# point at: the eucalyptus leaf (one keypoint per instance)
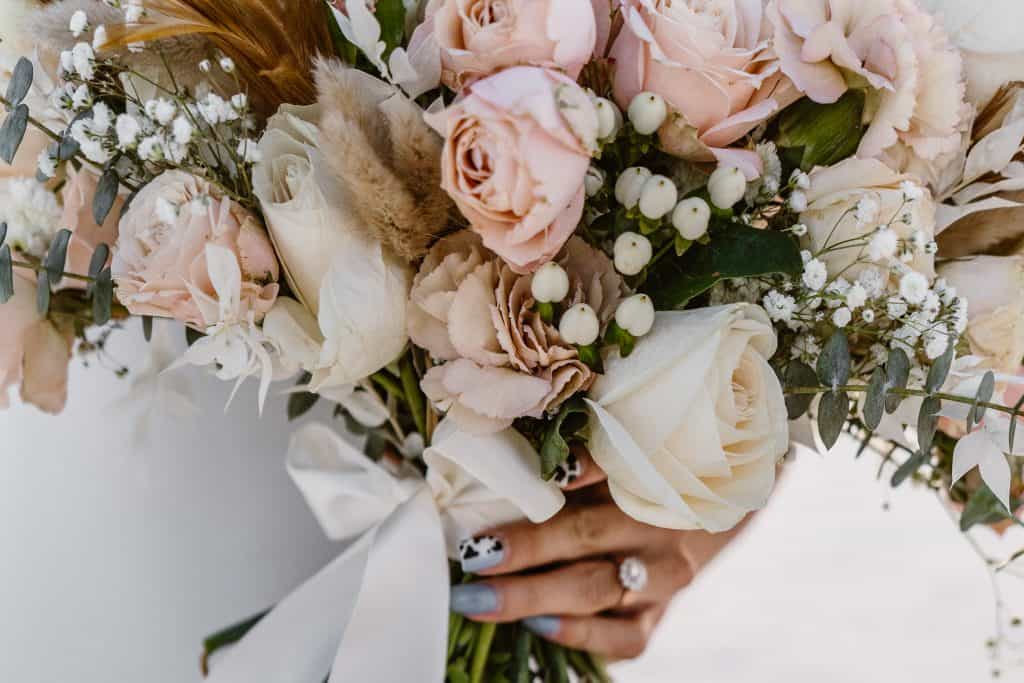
(13, 132)
(834, 361)
(43, 293)
(983, 507)
(57, 256)
(301, 403)
(3, 232)
(106, 195)
(1013, 421)
(21, 81)
(897, 374)
(102, 297)
(874, 401)
(99, 260)
(68, 147)
(907, 469)
(799, 375)
(833, 410)
(927, 423)
(984, 395)
(147, 327)
(735, 252)
(939, 370)
(192, 335)
(6, 274)
(554, 449)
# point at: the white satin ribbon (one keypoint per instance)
(379, 612)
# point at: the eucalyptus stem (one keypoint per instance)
(413, 395)
(481, 652)
(388, 383)
(863, 388)
(36, 267)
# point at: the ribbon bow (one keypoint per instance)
(379, 612)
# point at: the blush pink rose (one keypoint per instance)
(76, 196)
(480, 37)
(33, 352)
(159, 262)
(893, 49)
(713, 65)
(516, 153)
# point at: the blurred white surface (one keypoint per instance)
(117, 560)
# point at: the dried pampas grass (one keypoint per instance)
(378, 147)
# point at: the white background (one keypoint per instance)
(116, 559)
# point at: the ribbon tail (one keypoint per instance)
(297, 641)
(399, 624)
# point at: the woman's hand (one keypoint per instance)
(561, 578)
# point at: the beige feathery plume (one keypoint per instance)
(273, 43)
(379, 147)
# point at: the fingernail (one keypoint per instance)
(474, 598)
(480, 553)
(568, 472)
(545, 627)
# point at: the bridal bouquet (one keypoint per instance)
(681, 233)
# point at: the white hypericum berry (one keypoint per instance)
(636, 315)
(691, 218)
(609, 119)
(632, 253)
(550, 283)
(647, 112)
(79, 23)
(914, 287)
(798, 201)
(629, 185)
(727, 186)
(658, 196)
(594, 181)
(579, 325)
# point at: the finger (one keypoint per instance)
(578, 471)
(576, 532)
(582, 588)
(611, 637)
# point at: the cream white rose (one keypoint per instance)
(690, 427)
(992, 286)
(354, 290)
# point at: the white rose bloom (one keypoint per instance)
(690, 427)
(353, 287)
(995, 327)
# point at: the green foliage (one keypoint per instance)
(98, 261)
(301, 402)
(939, 370)
(520, 671)
(102, 297)
(57, 256)
(799, 374)
(106, 195)
(897, 374)
(554, 448)
(345, 51)
(391, 15)
(21, 81)
(1013, 423)
(226, 637)
(147, 327)
(737, 251)
(908, 468)
(590, 356)
(833, 410)
(834, 361)
(43, 293)
(983, 507)
(13, 132)
(6, 274)
(616, 336)
(928, 423)
(984, 395)
(811, 134)
(874, 402)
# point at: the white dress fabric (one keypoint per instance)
(120, 551)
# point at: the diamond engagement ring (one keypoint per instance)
(633, 574)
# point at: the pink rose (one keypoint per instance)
(480, 37)
(77, 195)
(713, 65)
(160, 261)
(517, 150)
(893, 49)
(33, 352)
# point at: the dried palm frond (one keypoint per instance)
(273, 43)
(379, 148)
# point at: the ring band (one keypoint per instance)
(633, 574)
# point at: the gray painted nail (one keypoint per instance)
(543, 626)
(480, 553)
(472, 599)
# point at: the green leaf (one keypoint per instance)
(301, 402)
(147, 327)
(391, 15)
(6, 274)
(908, 468)
(99, 260)
(102, 298)
(984, 395)
(13, 132)
(616, 336)
(21, 81)
(455, 674)
(927, 423)
(57, 256)
(812, 134)
(3, 232)
(874, 401)
(228, 636)
(897, 374)
(939, 370)
(554, 448)
(590, 356)
(834, 361)
(520, 672)
(983, 507)
(192, 335)
(799, 375)
(833, 410)
(43, 293)
(738, 251)
(345, 50)
(557, 666)
(106, 195)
